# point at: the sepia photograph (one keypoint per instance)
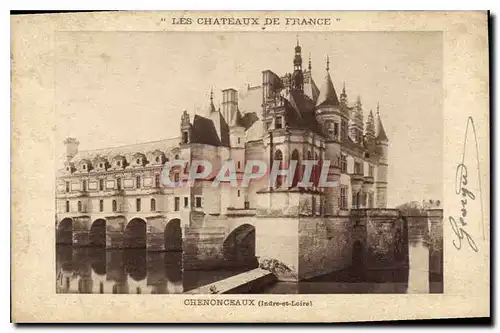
(260, 162)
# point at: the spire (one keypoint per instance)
(381, 136)
(327, 95)
(211, 106)
(370, 126)
(358, 108)
(343, 99)
(298, 76)
(309, 67)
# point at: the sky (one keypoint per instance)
(118, 88)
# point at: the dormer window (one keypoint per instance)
(157, 159)
(84, 167)
(101, 165)
(138, 161)
(278, 123)
(119, 163)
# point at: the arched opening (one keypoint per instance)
(296, 175)
(97, 234)
(64, 235)
(358, 258)
(278, 156)
(173, 236)
(135, 234)
(239, 246)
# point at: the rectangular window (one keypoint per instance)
(67, 186)
(198, 202)
(239, 165)
(357, 168)
(153, 205)
(238, 140)
(79, 206)
(101, 184)
(176, 177)
(278, 122)
(238, 193)
(343, 197)
(157, 181)
(336, 130)
(371, 171)
(101, 205)
(343, 163)
(177, 202)
(138, 204)
(186, 202)
(114, 206)
(67, 206)
(138, 182)
(118, 183)
(343, 129)
(84, 185)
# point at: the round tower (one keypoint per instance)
(329, 114)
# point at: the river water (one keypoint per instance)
(136, 271)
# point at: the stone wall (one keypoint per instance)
(324, 245)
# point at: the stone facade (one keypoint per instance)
(115, 196)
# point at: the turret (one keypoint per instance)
(370, 128)
(382, 143)
(185, 128)
(329, 114)
(297, 76)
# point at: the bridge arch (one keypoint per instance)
(134, 235)
(97, 234)
(173, 236)
(64, 233)
(239, 245)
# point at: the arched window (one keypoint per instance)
(296, 175)
(153, 205)
(67, 206)
(79, 206)
(278, 156)
(114, 205)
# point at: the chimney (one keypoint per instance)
(229, 104)
(71, 147)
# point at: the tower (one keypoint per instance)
(297, 76)
(382, 143)
(357, 121)
(229, 104)
(185, 128)
(329, 114)
(370, 131)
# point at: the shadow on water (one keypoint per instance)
(128, 271)
(420, 273)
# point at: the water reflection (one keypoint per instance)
(414, 277)
(130, 271)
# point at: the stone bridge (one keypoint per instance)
(293, 247)
(154, 232)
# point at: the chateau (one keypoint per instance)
(114, 197)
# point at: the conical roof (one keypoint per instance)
(327, 94)
(381, 136)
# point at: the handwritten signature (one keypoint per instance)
(460, 227)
